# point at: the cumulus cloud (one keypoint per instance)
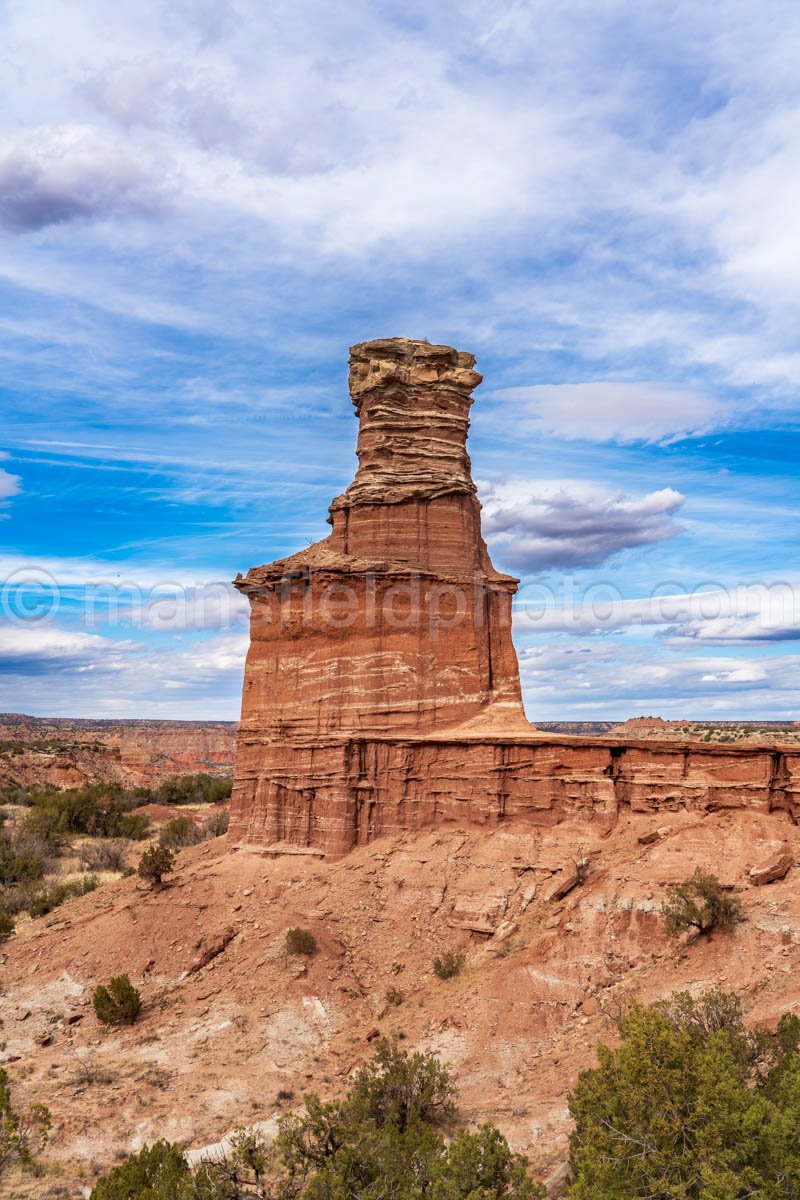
(606, 411)
(54, 174)
(47, 649)
(537, 524)
(52, 670)
(602, 681)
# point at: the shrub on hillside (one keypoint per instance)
(23, 1135)
(217, 824)
(119, 1003)
(301, 941)
(383, 1139)
(691, 1104)
(23, 859)
(108, 855)
(700, 903)
(51, 897)
(158, 1172)
(180, 832)
(99, 810)
(156, 862)
(449, 965)
(6, 927)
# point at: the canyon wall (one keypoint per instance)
(66, 752)
(382, 688)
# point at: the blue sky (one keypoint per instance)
(203, 204)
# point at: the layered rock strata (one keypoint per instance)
(382, 689)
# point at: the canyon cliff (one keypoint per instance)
(64, 752)
(382, 688)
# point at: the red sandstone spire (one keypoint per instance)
(397, 623)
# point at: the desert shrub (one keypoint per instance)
(119, 1003)
(22, 858)
(394, 997)
(383, 1139)
(690, 1104)
(51, 897)
(23, 1135)
(700, 903)
(107, 855)
(193, 789)
(449, 965)
(99, 810)
(156, 862)
(180, 832)
(217, 824)
(6, 927)
(158, 1172)
(301, 941)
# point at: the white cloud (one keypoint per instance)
(58, 173)
(10, 485)
(606, 411)
(537, 524)
(748, 614)
(602, 681)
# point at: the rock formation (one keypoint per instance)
(382, 690)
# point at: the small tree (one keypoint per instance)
(301, 941)
(700, 903)
(6, 927)
(156, 862)
(158, 1171)
(118, 1004)
(23, 1135)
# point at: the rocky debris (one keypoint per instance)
(567, 880)
(654, 835)
(209, 950)
(777, 867)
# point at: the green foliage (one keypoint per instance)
(180, 832)
(449, 965)
(700, 903)
(6, 927)
(21, 860)
(301, 941)
(158, 1172)
(98, 809)
(117, 1004)
(480, 1165)
(692, 1106)
(382, 1141)
(23, 1135)
(49, 898)
(156, 862)
(193, 789)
